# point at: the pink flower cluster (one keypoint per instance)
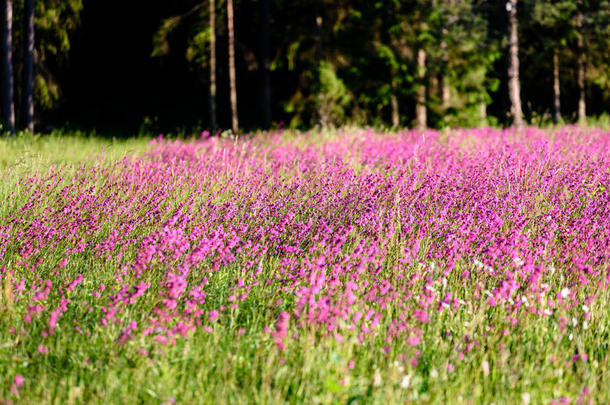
(363, 234)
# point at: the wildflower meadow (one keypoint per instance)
(347, 266)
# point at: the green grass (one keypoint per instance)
(25, 155)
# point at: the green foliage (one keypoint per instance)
(55, 22)
(193, 28)
(333, 97)
(161, 45)
(367, 60)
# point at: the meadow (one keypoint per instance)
(348, 266)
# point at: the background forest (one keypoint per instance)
(122, 67)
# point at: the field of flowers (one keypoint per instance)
(351, 266)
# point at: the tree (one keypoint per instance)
(28, 67)
(463, 60)
(324, 70)
(55, 22)
(514, 85)
(556, 88)
(320, 96)
(197, 42)
(212, 17)
(7, 66)
(572, 45)
(404, 48)
(422, 38)
(390, 62)
(580, 47)
(551, 20)
(394, 104)
(592, 26)
(232, 79)
(420, 98)
(597, 45)
(266, 63)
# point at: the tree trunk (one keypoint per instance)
(266, 59)
(420, 99)
(319, 51)
(213, 121)
(8, 105)
(483, 112)
(582, 104)
(445, 91)
(231, 28)
(556, 88)
(319, 55)
(514, 86)
(28, 67)
(445, 85)
(394, 103)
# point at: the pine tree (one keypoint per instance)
(514, 85)
(232, 78)
(8, 103)
(28, 67)
(266, 63)
(592, 25)
(200, 38)
(212, 22)
(552, 21)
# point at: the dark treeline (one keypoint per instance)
(123, 66)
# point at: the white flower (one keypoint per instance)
(376, 379)
(485, 367)
(585, 325)
(525, 397)
(404, 383)
(548, 312)
(574, 322)
(585, 308)
(571, 336)
(434, 374)
(565, 292)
